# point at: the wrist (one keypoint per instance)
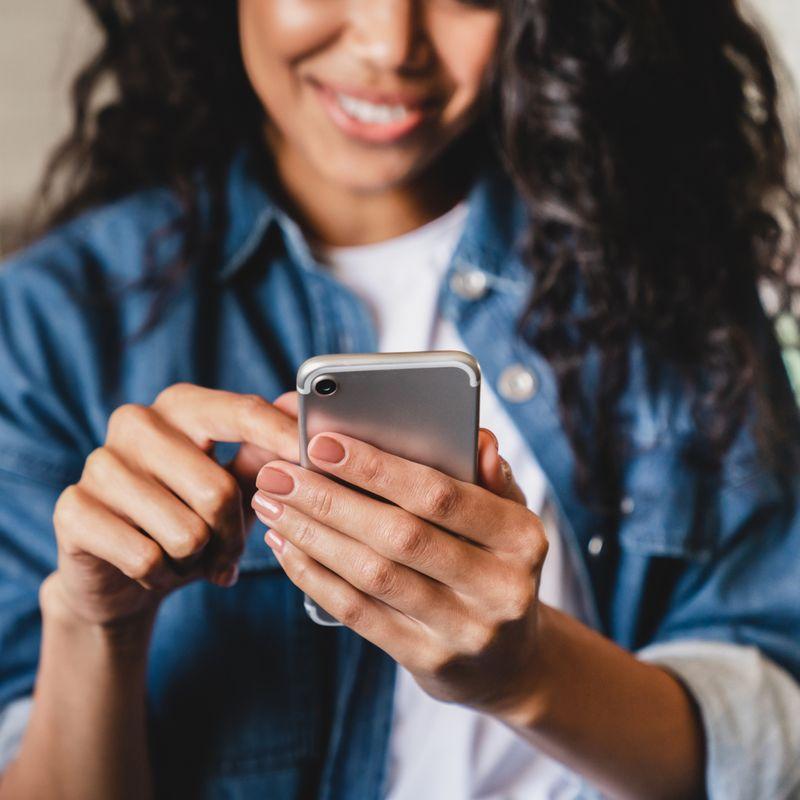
(129, 634)
(530, 706)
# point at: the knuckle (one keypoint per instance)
(193, 537)
(440, 499)
(407, 537)
(305, 533)
(378, 577)
(368, 468)
(350, 612)
(477, 640)
(519, 600)
(542, 548)
(250, 404)
(129, 416)
(438, 661)
(534, 541)
(221, 495)
(250, 410)
(98, 464)
(171, 394)
(67, 507)
(320, 501)
(298, 570)
(145, 562)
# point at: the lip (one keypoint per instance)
(377, 96)
(378, 133)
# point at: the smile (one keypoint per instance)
(371, 112)
(372, 118)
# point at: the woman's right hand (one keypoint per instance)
(153, 510)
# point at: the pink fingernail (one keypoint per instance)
(324, 448)
(267, 506)
(275, 481)
(274, 541)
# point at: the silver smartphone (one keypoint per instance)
(421, 406)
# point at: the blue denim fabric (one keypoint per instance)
(247, 697)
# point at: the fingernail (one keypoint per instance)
(273, 540)
(505, 468)
(267, 506)
(494, 439)
(227, 577)
(275, 481)
(323, 448)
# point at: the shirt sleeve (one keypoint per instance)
(44, 439)
(727, 601)
(750, 710)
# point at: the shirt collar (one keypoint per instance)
(251, 212)
(493, 227)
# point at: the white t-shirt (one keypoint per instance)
(439, 750)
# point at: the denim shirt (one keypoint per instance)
(247, 697)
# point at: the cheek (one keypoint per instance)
(465, 51)
(275, 35)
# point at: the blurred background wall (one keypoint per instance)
(42, 42)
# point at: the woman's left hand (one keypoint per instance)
(458, 611)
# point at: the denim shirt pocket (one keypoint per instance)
(668, 511)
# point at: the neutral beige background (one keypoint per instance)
(43, 41)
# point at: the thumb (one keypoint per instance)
(494, 472)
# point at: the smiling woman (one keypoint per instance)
(585, 196)
(335, 80)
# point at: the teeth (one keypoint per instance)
(371, 112)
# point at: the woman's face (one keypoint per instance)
(366, 93)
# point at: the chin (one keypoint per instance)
(363, 179)
(367, 174)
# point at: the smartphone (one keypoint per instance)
(421, 406)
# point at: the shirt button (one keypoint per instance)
(595, 546)
(627, 505)
(469, 284)
(517, 383)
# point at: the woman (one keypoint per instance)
(575, 192)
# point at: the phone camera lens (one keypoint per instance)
(325, 386)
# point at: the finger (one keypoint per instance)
(457, 506)
(151, 445)
(80, 516)
(396, 585)
(213, 415)
(387, 529)
(494, 472)
(244, 467)
(250, 458)
(287, 402)
(146, 504)
(385, 627)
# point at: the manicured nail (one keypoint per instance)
(227, 577)
(275, 481)
(267, 506)
(323, 448)
(273, 540)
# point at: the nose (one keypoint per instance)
(388, 34)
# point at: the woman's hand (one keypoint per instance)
(444, 578)
(153, 510)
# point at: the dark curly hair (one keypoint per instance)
(644, 136)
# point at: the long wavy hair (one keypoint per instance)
(644, 136)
